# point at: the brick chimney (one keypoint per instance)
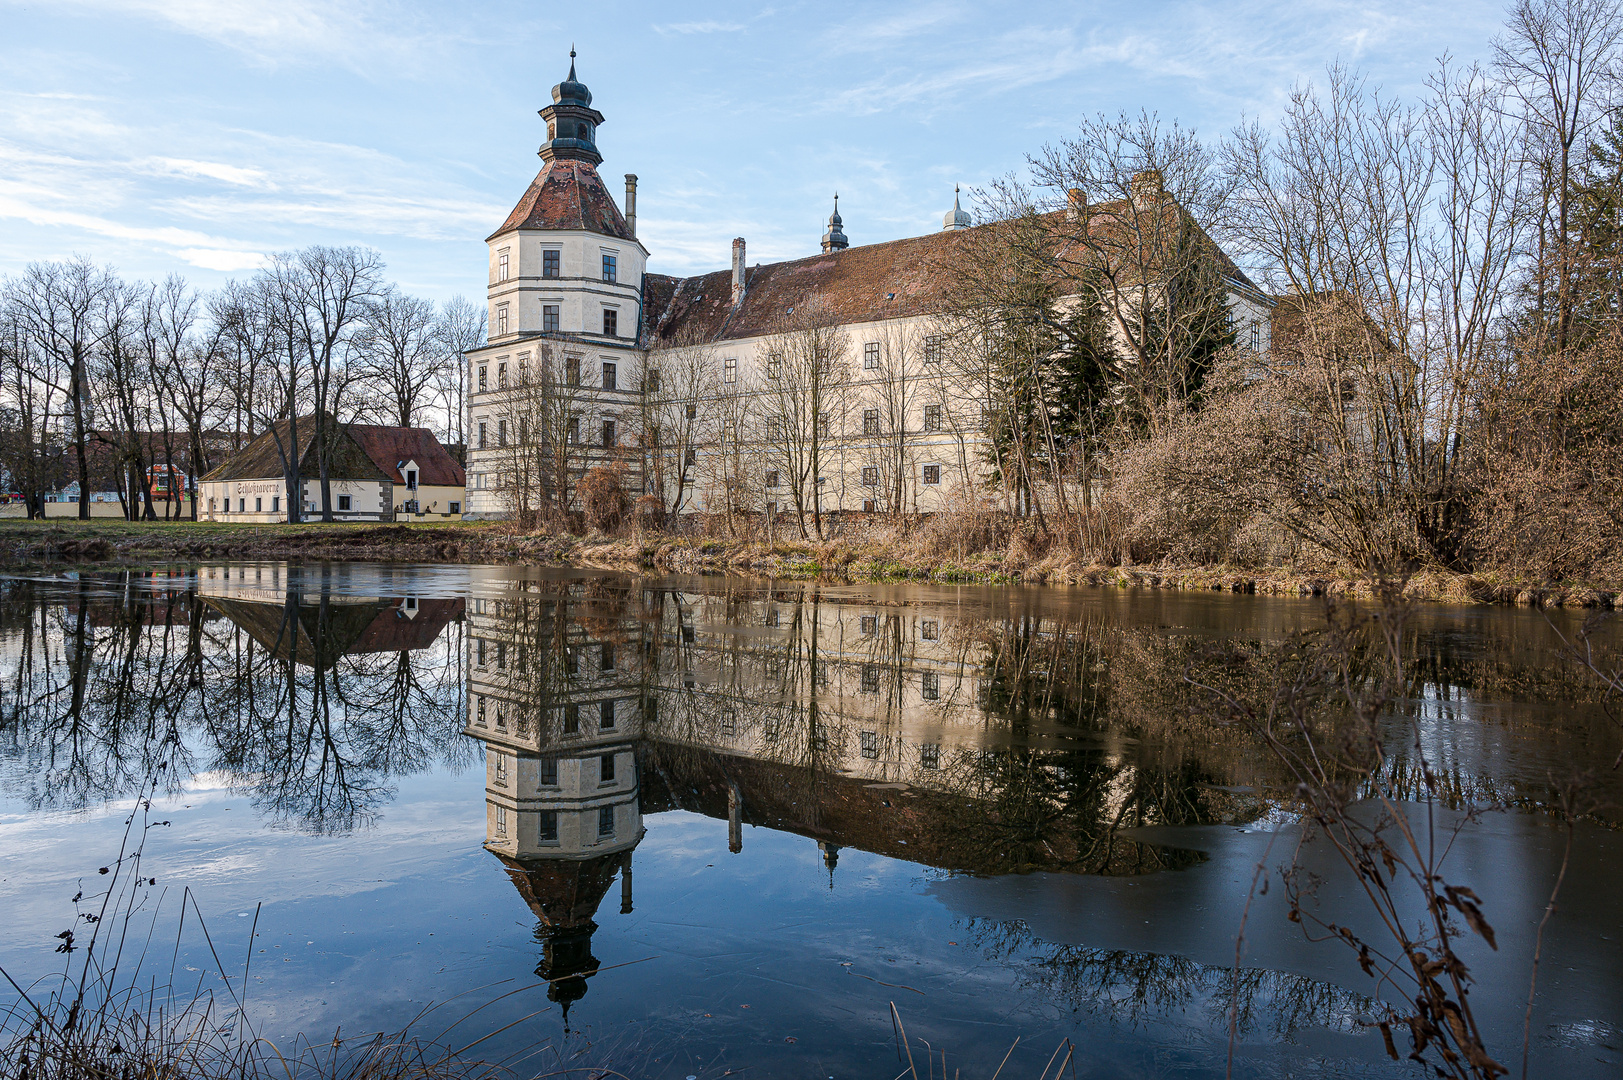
(631, 204)
(1147, 188)
(738, 270)
(1076, 201)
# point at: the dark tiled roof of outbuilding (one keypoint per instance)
(567, 195)
(389, 446)
(261, 459)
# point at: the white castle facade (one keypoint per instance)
(811, 385)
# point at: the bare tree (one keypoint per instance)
(681, 392)
(58, 306)
(400, 355)
(1558, 58)
(540, 451)
(461, 329)
(807, 372)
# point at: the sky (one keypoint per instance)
(195, 136)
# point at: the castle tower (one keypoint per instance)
(565, 309)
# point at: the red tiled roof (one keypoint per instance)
(891, 280)
(388, 447)
(567, 195)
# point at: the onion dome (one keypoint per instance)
(571, 122)
(957, 217)
(572, 89)
(834, 239)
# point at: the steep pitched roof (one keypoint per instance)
(261, 459)
(890, 280)
(388, 447)
(567, 195)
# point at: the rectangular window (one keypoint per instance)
(932, 418)
(774, 365)
(501, 759)
(242, 506)
(870, 421)
(501, 376)
(605, 821)
(693, 411)
(929, 755)
(870, 744)
(870, 355)
(772, 478)
(501, 433)
(774, 429)
(1256, 336)
(411, 479)
(605, 769)
(549, 265)
(870, 678)
(611, 323)
(574, 429)
(483, 382)
(481, 435)
(608, 433)
(481, 662)
(572, 370)
(870, 624)
(549, 772)
(610, 372)
(571, 718)
(456, 508)
(344, 502)
(932, 474)
(607, 663)
(930, 686)
(501, 654)
(870, 476)
(929, 630)
(729, 370)
(869, 506)
(932, 350)
(571, 662)
(547, 826)
(276, 504)
(259, 505)
(549, 318)
(825, 425)
(501, 319)
(605, 715)
(501, 267)
(501, 821)
(611, 268)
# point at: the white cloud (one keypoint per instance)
(709, 26)
(212, 170)
(225, 261)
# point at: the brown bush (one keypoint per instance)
(603, 498)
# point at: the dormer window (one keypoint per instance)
(411, 485)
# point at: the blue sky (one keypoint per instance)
(193, 136)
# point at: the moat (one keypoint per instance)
(701, 825)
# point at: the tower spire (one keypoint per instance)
(834, 239)
(571, 121)
(957, 217)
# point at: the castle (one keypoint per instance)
(809, 386)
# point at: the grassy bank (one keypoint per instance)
(873, 555)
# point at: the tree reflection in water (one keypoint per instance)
(309, 702)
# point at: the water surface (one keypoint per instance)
(712, 824)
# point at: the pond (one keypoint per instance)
(693, 826)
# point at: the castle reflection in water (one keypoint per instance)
(853, 724)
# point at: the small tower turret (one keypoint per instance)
(571, 121)
(834, 239)
(957, 217)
